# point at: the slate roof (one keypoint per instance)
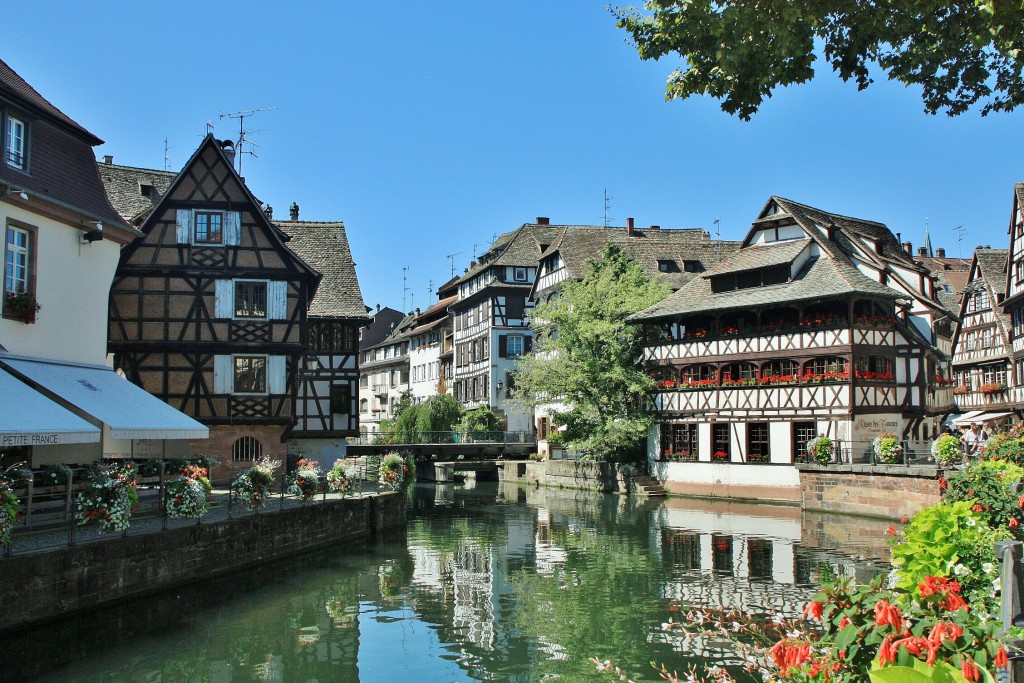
(948, 271)
(520, 247)
(61, 165)
(992, 263)
(124, 188)
(324, 246)
(382, 322)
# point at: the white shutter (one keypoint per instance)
(277, 299)
(277, 368)
(224, 304)
(232, 227)
(184, 226)
(223, 375)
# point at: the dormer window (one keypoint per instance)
(146, 190)
(519, 274)
(14, 143)
(667, 266)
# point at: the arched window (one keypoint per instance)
(739, 374)
(826, 369)
(874, 368)
(364, 405)
(246, 448)
(779, 372)
(693, 375)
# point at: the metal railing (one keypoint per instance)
(47, 514)
(446, 437)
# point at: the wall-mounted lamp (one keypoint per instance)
(94, 235)
(501, 384)
(21, 193)
(313, 362)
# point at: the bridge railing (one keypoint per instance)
(447, 437)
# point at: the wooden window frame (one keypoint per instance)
(235, 374)
(718, 429)
(761, 441)
(30, 277)
(239, 287)
(16, 158)
(220, 231)
(341, 396)
(802, 433)
(516, 270)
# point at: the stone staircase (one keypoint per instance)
(648, 487)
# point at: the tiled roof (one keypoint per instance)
(992, 263)
(324, 246)
(124, 188)
(61, 165)
(382, 323)
(579, 244)
(15, 87)
(822, 278)
(520, 247)
(761, 256)
(400, 332)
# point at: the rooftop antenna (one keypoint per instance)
(430, 289)
(451, 261)
(475, 245)
(718, 237)
(167, 156)
(405, 286)
(607, 205)
(209, 127)
(960, 230)
(242, 132)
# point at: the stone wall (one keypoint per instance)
(571, 474)
(886, 491)
(42, 586)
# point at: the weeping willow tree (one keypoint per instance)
(586, 357)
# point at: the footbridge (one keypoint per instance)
(439, 455)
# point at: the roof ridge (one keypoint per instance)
(103, 164)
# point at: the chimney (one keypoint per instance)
(654, 227)
(940, 252)
(293, 212)
(228, 147)
(108, 159)
(378, 308)
(472, 264)
(268, 210)
(543, 220)
(909, 248)
(922, 251)
(629, 226)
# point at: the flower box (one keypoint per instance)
(993, 388)
(22, 306)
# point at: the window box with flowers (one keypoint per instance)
(993, 387)
(699, 333)
(940, 381)
(667, 384)
(874, 320)
(21, 305)
(961, 389)
(823, 320)
(743, 382)
(777, 379)
(824, 377)
(719, 456)
(730, 331)
(699, 384)
(870, 376)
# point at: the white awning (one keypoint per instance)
(126, 409)
(967, 418)
(27, 418)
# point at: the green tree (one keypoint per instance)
(961, 52)
(438, 414)
(586, 356)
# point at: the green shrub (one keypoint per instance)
(991, 487)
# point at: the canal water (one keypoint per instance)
(495, 582)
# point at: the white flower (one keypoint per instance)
(960, 570)
(996, 586)
(970, 521)
(987, 567)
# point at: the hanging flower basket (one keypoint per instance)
(887, 449)
(21, 305)
(340, 479)
(254, 486)
(391, 471)
(821, 449)
(188, 495)
(947, 450)
(304, 482)
(109, 498)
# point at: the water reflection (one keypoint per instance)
(497, 583)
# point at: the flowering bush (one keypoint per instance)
(255, 484)
(391, 471)
(821, 449)
(991, 486)
(304, 482)
(887, 448)
(950, 540)
(55, 474)
(8, 512)
(109, 498)
(947, 450)
(188, 495)
(1007, 446)
(339, 479)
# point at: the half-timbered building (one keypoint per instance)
(60, 401)
(1013, 304)
(675, 256)
(820, 324)
(384, 367)
(208, 309)
(326, 408)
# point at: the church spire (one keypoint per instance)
(927, 241)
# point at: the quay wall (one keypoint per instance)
(886, 491)
(570, 474)
(58, 583)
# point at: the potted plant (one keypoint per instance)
(887, 449)
(21, 305)
(188, 495)
(821, 449)
(304, 482)
(719, 456)
(254, 485)
(108, 498)
(947, 450)
(392, 470)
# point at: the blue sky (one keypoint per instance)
(431, 127)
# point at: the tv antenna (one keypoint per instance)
(960, 231)
(451, 261)
(475, 245)
(607, 205)
(242, 132)
(405, 286)
(167, 156)
(718, 236)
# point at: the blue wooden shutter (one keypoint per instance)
(224, 303)
(232, 227)
(223, 375)
(183, 228)
(277, 368)
(277, 300)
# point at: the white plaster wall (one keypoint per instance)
(323, 451)
(72, 286)
(780, 441)
(428, 387)
(726, 474)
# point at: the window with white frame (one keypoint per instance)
(250, 299)
(519, 274)
(515, 345)
(17, 260)
(250, 375)
(14, 143)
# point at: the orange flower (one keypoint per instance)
(815, 609)
(1013, 523)
(1001, 660)
(969, 669)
